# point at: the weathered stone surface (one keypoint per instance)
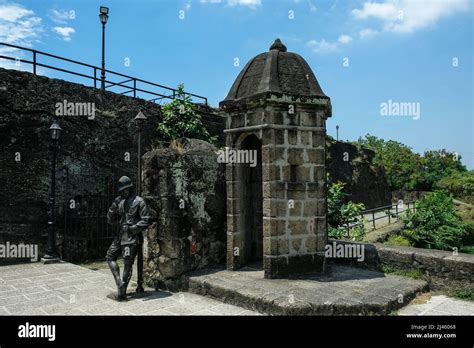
(92, 151)
(292, 76)
(365, 182)
(439, 305)
(191, 229)
(341, 291)
(441, 268)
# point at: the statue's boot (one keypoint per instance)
(127, 275)
(115, 269)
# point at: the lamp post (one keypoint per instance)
(104, 16)
(51, 252)
(139, 120)
(337, 133)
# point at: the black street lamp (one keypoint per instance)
(104, 16)
(140, 120)
(51, 252)
(337, 133)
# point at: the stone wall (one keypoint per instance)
(365, 182)
(92, 151)
(442, 269)
(407, 196)
(185, 185)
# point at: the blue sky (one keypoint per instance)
(417, 51)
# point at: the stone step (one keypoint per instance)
(342, 291)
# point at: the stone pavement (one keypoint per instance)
(67, 289)
(381, 234)
(440, 305)
(343, 291)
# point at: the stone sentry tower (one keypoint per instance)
(276, 211)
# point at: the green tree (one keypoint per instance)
(407, 170)
(401, 164)
(436, 165)
(180, 120)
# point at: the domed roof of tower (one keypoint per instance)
(275, 72)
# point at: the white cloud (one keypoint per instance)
(65, 32)
(312, 7)
(13, 12)
(344, 39)
(322, 46)
(18, 25)
(385, 11)
(334, 5)
(405, 16)
(249, 3)
(60, 16)
(367, 33)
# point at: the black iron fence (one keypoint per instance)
(85, 233)
(125, 83)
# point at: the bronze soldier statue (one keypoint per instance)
(131, 213)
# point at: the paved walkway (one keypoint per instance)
(440, 305)
(67, 289)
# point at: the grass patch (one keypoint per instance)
(463, 294)
(410, 272)
(397, 240)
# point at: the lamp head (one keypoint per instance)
(55, 130)
(104, 14)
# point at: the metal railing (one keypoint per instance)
(392, 211)
(131, 84)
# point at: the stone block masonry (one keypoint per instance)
(282, 116)
(293, 186)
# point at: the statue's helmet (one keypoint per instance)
(124, 183)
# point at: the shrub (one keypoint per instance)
(464, 293)
(180, 120)
(435, 223)
(468, 249)
(459, 184)
(340, 213)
